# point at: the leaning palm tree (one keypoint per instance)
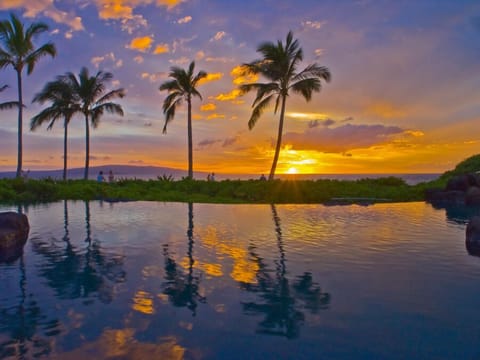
(279, 64)
(63, 104)
(93, 101)
(182, 88)
(17, 50)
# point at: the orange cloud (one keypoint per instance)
(415, 133)
(170, 4)
(232, 95)
(215, 116)
(208, 107)
(161, 49)
(123, 9)
(115, 9)
(211, 77)
(241, 76)
(141, 44)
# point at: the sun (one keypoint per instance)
(292, 170)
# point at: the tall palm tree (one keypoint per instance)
(17, 50)
(279, 65)
(182, 88)
(63, 104)
(93, 101)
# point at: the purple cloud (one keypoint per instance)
(341, 139)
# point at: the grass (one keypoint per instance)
(389, 189)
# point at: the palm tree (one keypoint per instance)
(279, 65)
(64, 104)
(18, 51)
(182, 87)
(93, 101)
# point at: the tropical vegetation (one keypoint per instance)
(279, 64)
(182, 88)
(18, 51)
(363, 191)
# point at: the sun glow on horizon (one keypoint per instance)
(292, 170)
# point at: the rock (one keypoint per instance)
(443, 197)
(473, 230)
(458, 183)
(472, 238)
(472, 196)
(14, 230)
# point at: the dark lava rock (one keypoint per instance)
(472, 238)
(14, 230)
(472, 196)
(473, 230)
(445, 197)
(462, 182)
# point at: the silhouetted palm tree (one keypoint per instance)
(17, 50)
(93, 101)
(279, 65)
(63, 104)
(182, 88)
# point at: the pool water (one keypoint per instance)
(150, 280)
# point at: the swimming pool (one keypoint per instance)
(200, 281)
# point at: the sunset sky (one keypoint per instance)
(404, 95)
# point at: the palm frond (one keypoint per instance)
(265, 90)
(170, 112)
(117, 93)
(35, 29)
(170, 85)
(258, 111)
(314, 70)
(306, 87)
(33, 57)
(98, 111)
(9, 105)
(181, 87)
(48, 114)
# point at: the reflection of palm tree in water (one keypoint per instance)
(181, 288)
(280, 305)
(76, 273)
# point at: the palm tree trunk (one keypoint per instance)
(279, 139)
(20, 124)
(65, 133)
(190, 146)
(87, 147)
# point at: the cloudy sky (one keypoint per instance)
(404, 95)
